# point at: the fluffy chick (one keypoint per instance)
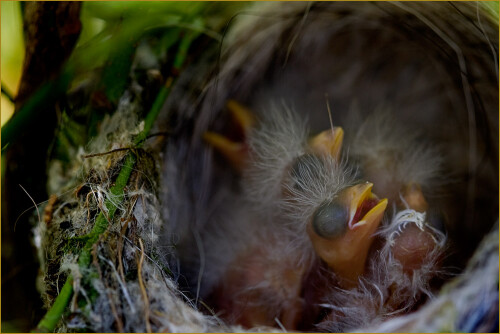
(407, 171)
(407, 255)
(302, 212)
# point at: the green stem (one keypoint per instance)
(179, 61)
(53, 315)
(153, 113)
(51, 318)
(28, 116)
(102, 221)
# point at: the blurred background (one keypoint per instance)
(12, 55)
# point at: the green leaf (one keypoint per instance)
(28, 115)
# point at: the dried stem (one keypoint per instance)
(119, 323)
(120, 248)
(143, 289)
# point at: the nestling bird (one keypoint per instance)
(265, 241)
(303, 211)
(409, 250)
(306, 228)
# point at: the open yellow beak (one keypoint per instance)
(361, 199)
(346, 252)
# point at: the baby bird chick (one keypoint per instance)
(407, 254)
(306, 212)
(403, 169)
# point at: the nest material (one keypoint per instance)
(149, 253)
(128, 287)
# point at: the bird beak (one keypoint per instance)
(346, 254)
(242, 116)
(328, 142)
(234, 150)
(365, 207)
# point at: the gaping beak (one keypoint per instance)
(328, 142)
(346, 253)
(365, 207)
(234, 150)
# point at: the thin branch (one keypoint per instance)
(34, 203)
(106, 153)
(119, 323)
(143, 289)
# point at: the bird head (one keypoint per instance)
(341, 213)
(341, 230)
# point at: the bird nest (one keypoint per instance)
(143, 233)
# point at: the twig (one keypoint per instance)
(120, 241)
(87, 204)
(121, 283)
(143, 288)
(156, 134)
(106, 153)
(120, 248)
(119, 323)
(34, 203)
(49, 209)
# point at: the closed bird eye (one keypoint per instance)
(330, 220)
